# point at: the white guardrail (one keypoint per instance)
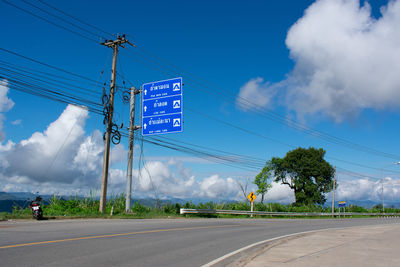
(266, 213)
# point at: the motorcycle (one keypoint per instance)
(37, 212)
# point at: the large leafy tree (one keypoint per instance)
(306, 172)
(262, 180)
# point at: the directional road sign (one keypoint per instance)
(162, 106)
(162, 88)
(342, 204)
(162, 110)
(252, 197)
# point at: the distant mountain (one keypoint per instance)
(22, 195)
(19, 199)
(7, 196)
(7, 205)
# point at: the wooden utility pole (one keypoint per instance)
(333, 195)
(132, 128)
(114, 45)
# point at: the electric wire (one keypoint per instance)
(226, 95)
(271, 115)
(357, 174)
(232, 155)
(221, 158)
(47, 74)
(41, 84)
(49, 21)
(301, 127)
(234, 126)
(62, 19)
(75, 18)
(47, 65)
(50, 80)
(227, 160)
(142, 164)
(48, 93)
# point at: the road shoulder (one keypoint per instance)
(361, 246)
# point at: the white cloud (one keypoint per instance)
(158, 176)
(48, 156)
(118, 154)
(215, 187)
(89, 155)
(16, 122)
(255, 94)
(172, 179)
(346, 61)
(61, 158)
(368, 190)
(279, 193)
(5, 105)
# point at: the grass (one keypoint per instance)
(88, 207)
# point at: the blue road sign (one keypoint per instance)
(342, 204)
(162, 88)
(170, 123)
(162, 110)
(161, 106)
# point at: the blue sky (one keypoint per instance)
(330, 65)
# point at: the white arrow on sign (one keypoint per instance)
(145, 108)
(145, 126)
(145, 92)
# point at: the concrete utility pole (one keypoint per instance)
(114, 45)
(333, 195)
(132, 128)
(383, 199)
(382, 180)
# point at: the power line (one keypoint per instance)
(45, 74)
(234, 156)
(49, 80)
(50, 22)
(227, 96)
(62, 19)
(275, 140)
(275, 116)
(75, 18)
(142, 163)
(205, 84)
(226, 159)
(47, 65)
(50, 94)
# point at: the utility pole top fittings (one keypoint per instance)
(117, 42)
(109, 107)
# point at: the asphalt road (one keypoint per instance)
(173, 242)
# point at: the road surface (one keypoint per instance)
(125, 242)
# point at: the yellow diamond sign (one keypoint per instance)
(252, 197)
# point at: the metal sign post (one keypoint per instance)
(251, 197)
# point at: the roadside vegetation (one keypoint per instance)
(88, 207)
(304, 170)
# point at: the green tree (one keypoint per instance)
(262, 180)
(306, 172)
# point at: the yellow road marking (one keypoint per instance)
(114, 235)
